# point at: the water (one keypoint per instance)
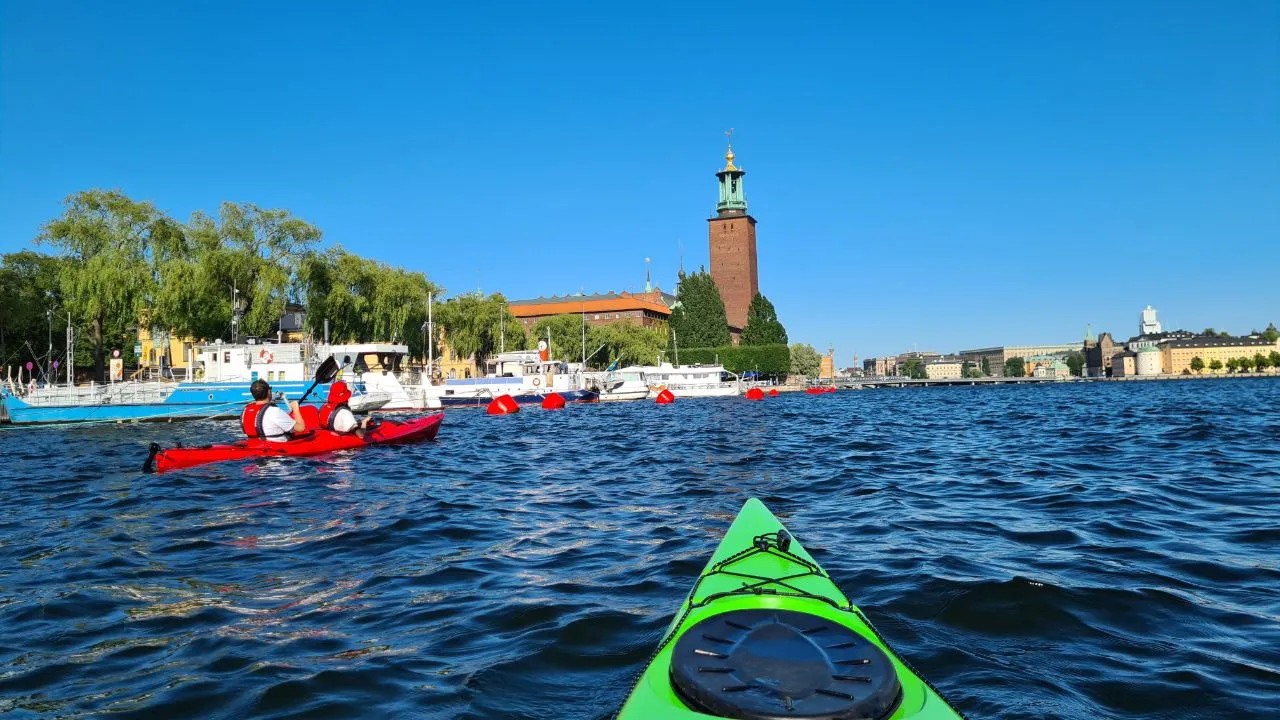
(1099, 551)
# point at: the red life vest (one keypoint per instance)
(327, 413)
(251, 420)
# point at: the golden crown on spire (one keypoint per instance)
(728, 156)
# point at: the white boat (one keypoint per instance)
(688, 380)
(381, 370)
(617, 385)
(526, 375)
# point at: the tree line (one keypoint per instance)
(117, 263)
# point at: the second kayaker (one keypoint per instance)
(336, 414)
(264, 419)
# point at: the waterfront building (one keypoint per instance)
(731, 234)
(1098, 355)
(882, 366)
(944, 367)
(1147, 361)
(1124, 364)
(451, 366)
(1176, 355)
(996, 356)
(645, 309)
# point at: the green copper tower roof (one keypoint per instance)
(733, 198)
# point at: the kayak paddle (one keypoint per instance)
(327, 371)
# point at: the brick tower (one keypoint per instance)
(732, 235)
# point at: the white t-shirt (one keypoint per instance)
(275, 423)
(344, 420)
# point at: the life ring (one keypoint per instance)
(266, 356)
(537, 382)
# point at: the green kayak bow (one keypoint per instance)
(765, 634)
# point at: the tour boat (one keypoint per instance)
(527, 376)
(688, 380)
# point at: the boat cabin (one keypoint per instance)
(523, 363)
(246, 362)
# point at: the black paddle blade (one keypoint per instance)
(328, 370)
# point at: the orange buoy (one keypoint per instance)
(773, 392)
(755, 394)
(666, 397)
(503, 405)
(554, 401)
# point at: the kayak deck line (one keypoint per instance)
(761, 586)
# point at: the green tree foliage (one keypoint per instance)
(913, 368)
(1215, 365)
(29, 286)
(698, 319)
(364, 300)
(258, 251)
(474, 325)
(626, 343)
(1197, 364)
(1274, 357)
(112, 248)
(805, 360)
(768, 360)
(1271, 334)
(986, 367)
(1260, 362)
(1233, 364)
(763, 327)
(566, 337)
(1075, 363)
(1015, 367)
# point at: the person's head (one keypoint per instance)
(339, 393)
(260, 390)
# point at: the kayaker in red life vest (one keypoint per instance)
(336, 415)
(262, 418)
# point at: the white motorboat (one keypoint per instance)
(688, 380)
(617, 385)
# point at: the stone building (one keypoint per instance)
(996, 356)
(731, 234)
(945, 367)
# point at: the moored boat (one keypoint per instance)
(688, 380)
(766, 634)
(527, 376)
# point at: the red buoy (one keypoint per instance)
(503, 405)
(813, 391)
(773, 392)
(666, 397)
(554, 401)
(755, 394)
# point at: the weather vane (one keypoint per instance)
(729, 134)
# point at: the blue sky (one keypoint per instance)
(933, 175)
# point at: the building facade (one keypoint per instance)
(731, 234)
(996, 356)
(644, 309)
(944, 368)
(1177, 354)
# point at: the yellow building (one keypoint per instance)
(944, 368)
(168, 350)
(1178, 354)
(450, 366)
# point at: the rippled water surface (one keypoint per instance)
(1074, 551)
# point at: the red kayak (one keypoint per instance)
(312, 442)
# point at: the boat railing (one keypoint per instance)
(126, 393)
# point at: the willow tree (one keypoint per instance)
(111, 246)
(625, 343)
(475, 325)
(254, 252)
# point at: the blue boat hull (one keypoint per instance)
(188, 401)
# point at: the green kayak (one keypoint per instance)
(765, 634)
